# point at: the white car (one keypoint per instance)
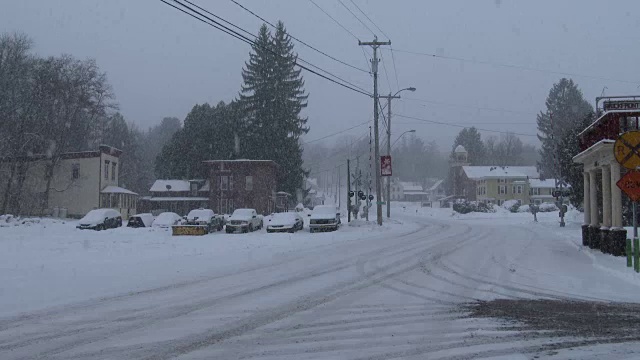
(140, 220)
(286, 221)
(205, 217)
(100, 219)
(324, 217)
(167, 220)
(244, 220)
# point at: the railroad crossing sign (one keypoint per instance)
(627, 150)
(630, 184)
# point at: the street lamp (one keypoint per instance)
(389, 97)
(401, 135)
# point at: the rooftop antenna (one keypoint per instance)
(603, 89)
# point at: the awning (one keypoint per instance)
(117, 190)
(177, 198)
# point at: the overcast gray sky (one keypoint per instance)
(162, 62)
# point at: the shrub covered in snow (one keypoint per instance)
(465, 207)
(547, 207)
(511, 205)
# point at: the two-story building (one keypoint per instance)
(179, 196)
(243, 183)
(497, 184)
(603, 222)
(541, 191)
(81, 181)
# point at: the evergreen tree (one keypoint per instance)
(472, 141)
(565, 114)
(272, 99)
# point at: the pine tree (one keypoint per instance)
(472, 141)
(565, 114)
(273, 97)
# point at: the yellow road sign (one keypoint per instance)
(627, 150)
(189, 230)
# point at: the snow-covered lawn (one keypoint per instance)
(48, 262)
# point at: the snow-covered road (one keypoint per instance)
(394, 294)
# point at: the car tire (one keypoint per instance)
(269, 230)
(250, 228)
(311, 230)
(99, 227)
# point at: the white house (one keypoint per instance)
(81, 181)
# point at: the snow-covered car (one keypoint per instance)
(286, 221)
(167, 219)
(140, 220)
(205, 217)
(100, 219)
(244, 220)
(324, 217)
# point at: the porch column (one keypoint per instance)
(606, 197)
(618, 235)
(593, 199)
(616, 196)
(594, 227)
(586, 202)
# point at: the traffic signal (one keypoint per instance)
(351, 193)
(370, 197)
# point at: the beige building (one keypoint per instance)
(497, 184)
(82, 181)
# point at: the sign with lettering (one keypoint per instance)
(626, 150)
(189, 230)
(630, 185)
(621, 105)
(385, 165)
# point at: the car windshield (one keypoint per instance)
(200, 214)
(284, 217)
(353, 179)
(243, 213)
(96, 215)
(166, 218)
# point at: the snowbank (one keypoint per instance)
(47, 262)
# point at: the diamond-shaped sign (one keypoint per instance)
(630, 185)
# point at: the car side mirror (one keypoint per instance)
(308, 214)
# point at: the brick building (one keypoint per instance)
(243, 183)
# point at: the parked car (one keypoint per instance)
(100, 219)
(244, 220)
(205, 217)
(324, 217)
(140, 220)
(285, 221)
(167, 219)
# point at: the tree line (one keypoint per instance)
(566, 114)
(59, 104)
(263, 123)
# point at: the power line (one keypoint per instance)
(368, 18)
(334, 20)
(357, 18)
(519, 67)
(336, 133)
(302, 60)
(468, 106)
(243, 38)
(463, 126)
(395, 70)
(298, 40)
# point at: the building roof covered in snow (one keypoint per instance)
(537, 183)
(116, 190)
(410, 186)
(170, 186)
(482, 172)
(435, 186)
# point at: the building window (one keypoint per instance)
(535, 191)
(194, 189)
(248, 185)
(75, 171)
(502, 181)
(224, 182)
(231, 206)
(223, 206)
(106, 169)
(502, 190)
(230, 182)
(537, 201)
(113, 171)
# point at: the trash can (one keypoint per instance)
(56, 212)
(63, 213)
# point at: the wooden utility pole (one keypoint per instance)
(374, 68)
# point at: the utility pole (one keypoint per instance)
(388, 197)
(348, 191)
(374, 68)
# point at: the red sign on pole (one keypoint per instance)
(630, 185)
(385, 165)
